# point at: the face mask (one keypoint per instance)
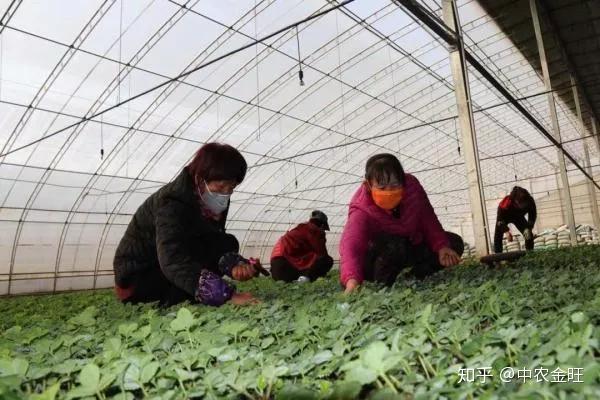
(215, 202)
(387, 199)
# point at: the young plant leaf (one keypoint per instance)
(148, 371)
(184, 321)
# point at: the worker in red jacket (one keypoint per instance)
(302, 252)
(512, 210)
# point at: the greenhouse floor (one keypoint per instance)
(527, 330)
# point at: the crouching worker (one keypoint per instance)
(175, 248)
(512, 210)
(302, 252)
(391, 226)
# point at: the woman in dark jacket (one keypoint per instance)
(175, 247)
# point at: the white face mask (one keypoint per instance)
(216, 202)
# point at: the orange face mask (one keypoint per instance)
(387, 199)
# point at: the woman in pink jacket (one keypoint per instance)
(391, 225)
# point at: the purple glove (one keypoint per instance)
(213, 290)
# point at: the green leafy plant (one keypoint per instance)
(312, 342)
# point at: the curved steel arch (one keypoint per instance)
(437, 39)
(46, 87)
(525, 144)
(103, 235)
(56, 71)
(38, 97)
(342, 160)
(99, 253)
(9, 13)
(155, 159)
(62, 151)
(290, 75)
(122, 141)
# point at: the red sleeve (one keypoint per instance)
(310, 239)
(319, 244)
(300, 241)
(293, 234)
(292, 241)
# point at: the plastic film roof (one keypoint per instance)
(375, 81)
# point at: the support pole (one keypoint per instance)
(595, 132)
(467, 130)
(538, 219)
(433, 23)
(590, 186)
(555, 125)
(561, 203)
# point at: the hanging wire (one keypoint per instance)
(120, 52)
(129, 125)
(457, 141)
(1, 63)
(333, 199)
(514, 167)
(339, 51)
(396, 113)
(102, 137)
(218, 116)
(437, 151)
(295, 176)
(300, 72)
(280, 128)
(257, 81)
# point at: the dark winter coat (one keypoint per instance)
(509, 213)
(169, 231)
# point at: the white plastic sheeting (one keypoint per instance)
(375, 81)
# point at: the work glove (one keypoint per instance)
(239, 268)
(213, 290)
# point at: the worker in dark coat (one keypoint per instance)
(302, 252)
(175, 248)
(512, 210)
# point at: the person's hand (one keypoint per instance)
(351, 286)
(509, 236)
(527, 234)
(448, 257)
(243, 299)
(243, 272)
(255, 262)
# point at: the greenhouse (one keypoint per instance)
(268, 199)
